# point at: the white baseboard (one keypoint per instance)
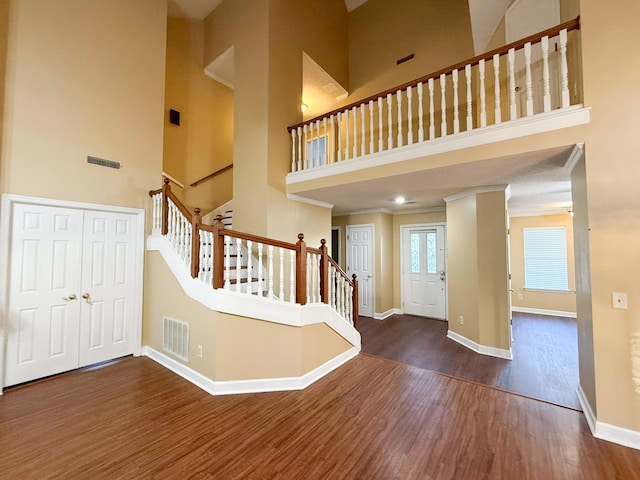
(482, 349)
(248, 386)
(606, 431)
(586, 408)
(542, 311)
(387, 314)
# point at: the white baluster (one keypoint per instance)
(409, 116)
(346, 134)
(317, 160)
(281, 295)
(355, 132)
(238, 264)
(330, 285)
(299, 148)
(293, 150)
(309, 278)
(456, 113)
(467, 75)
(270, 269)
(511, 59)
(545, 74)
(390, 120)
(400, 133)
(260, 272)
(496, 80)
(305, 155)
(420, 114)
(564, 69)
(380, 115)
(527, 63)
(311, 158)
(339, 136)
(325, 159)
(292, 276)
(432, 120)
(227, 263)
(249, 266)
(209, 258)
(338, 292)
(202, 261)
(483, 96)
(362, 147)
(333, 149)
(443, 104)
(350, 307)
(371, 144)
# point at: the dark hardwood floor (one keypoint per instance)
(545, 354)
(372, 419)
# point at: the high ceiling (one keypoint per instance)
(539, 181)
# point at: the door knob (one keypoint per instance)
(87, 297)
(70, 297)
(369, 276)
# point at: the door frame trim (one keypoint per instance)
(6, 208)
(373, 259)
(411, 226)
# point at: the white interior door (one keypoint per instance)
(424, 275)
(107, 329)
(360, 262)
(42, 324)
(73, 289)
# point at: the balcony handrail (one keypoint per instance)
(309, 274)
(518, 44)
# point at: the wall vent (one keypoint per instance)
(175, 338)
(102, 162)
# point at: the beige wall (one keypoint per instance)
(383, 31)
(269, 37)
(556, 301)
(477, 268)
(609, 38)
(203, 143)
(84, 78)
(234, 348)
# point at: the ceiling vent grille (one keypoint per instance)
(102, 162)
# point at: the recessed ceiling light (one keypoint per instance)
(400, 200)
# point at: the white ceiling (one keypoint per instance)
(539, 181)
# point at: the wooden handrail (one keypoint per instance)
(219, 232)
(211, 175)
(535, 38)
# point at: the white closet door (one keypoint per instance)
(42, 325)
(107, 319)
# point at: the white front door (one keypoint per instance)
(424, 276)
(72, 289)
(360, 262)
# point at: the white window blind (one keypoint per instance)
(545, 259)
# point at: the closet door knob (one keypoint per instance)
(87, 297)
(70, 297)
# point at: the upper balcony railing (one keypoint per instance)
(520, 80)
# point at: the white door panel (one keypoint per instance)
(424, 275)
(360, 262)
(42, 327)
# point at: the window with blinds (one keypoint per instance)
(545, 259)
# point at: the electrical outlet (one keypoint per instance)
(519, 296)
(461, 320)
(199, 351)
(618, 300)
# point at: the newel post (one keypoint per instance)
(354, 300)
(324, 272)
(218, 253)
(166, 188)
(301, 271)
(195, 243)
